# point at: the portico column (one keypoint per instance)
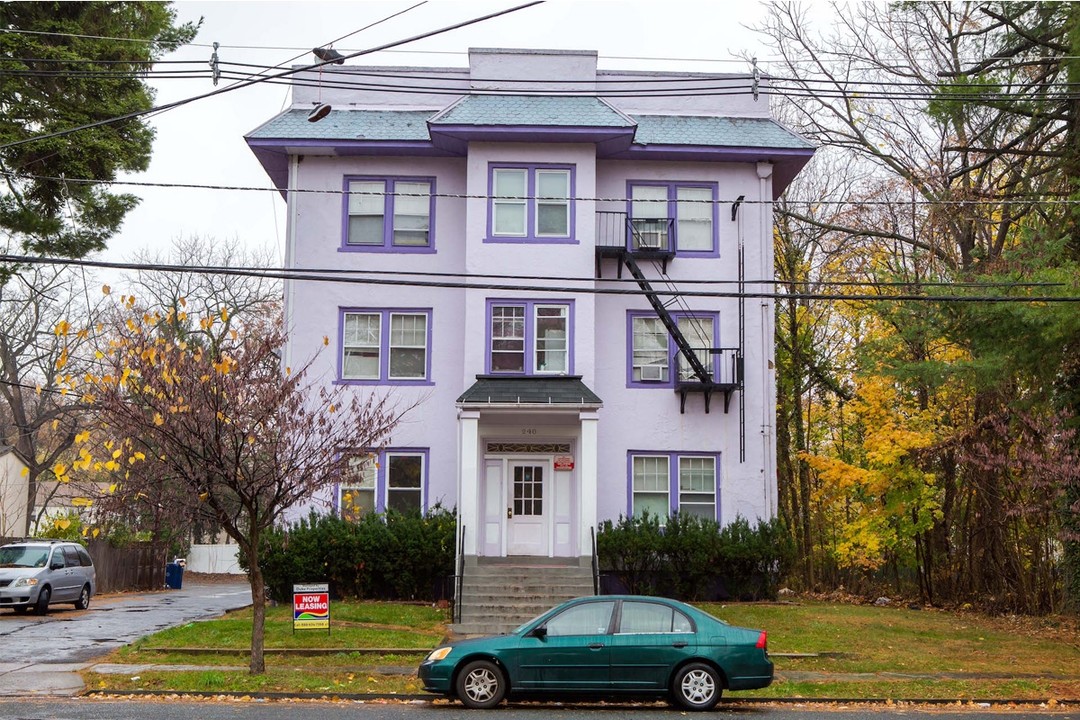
(468, 491)
(587, 472)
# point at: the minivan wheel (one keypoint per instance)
(481, 685)
(696, 687)
(84, 599)
(42, 606)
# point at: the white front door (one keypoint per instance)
(528, 508)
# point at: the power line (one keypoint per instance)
(996, 202)
(313, 275)
(286, 73)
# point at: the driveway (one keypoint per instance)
(41, 655)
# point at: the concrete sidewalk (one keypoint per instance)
(43, 655)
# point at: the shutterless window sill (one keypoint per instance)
(393, 249)
(526, 240)
(354, 381)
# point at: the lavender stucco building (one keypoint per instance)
(546, 259)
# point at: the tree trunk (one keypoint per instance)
(258, 607)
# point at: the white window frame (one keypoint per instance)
(345, 346)
(639, 368)
(552, 201)
(367, 467)
(664, 462)
(564, 315)
(687, 459)
(391, 346)
(389, 456)
(524, 339)
(509, 201)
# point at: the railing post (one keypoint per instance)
(460, 575)
(595, 563)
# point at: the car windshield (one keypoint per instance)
(23, 556)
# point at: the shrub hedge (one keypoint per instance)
(389, 556)
(693, 558)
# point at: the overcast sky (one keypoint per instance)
(202, 142)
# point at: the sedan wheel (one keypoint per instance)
(696, 687)
(481, 685)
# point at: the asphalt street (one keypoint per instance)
(42, 655)
(177, 709)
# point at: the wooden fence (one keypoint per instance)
(139, 566)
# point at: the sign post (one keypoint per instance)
(311, 607)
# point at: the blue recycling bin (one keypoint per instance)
(174, 575)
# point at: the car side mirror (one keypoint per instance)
(57, 566)
(540, 633)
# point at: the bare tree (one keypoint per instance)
(41, 361)
(192, 289)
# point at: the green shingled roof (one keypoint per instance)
(348, 125)
(532, 110)
(497, 390)
(516, 110)
(715, 132)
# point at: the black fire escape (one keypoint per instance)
(632, 241)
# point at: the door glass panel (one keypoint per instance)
(588, 619)
(528, 490)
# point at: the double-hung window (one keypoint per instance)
(391, 479)
(653, 351)
(389, 214)
(385, 345)
(528, 337)
(662, 483)
(531, 203)
(673, 216)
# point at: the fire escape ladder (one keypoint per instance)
(684, 346)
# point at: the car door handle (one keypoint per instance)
(596, 646)
(679, 644)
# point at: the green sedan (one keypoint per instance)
(605, 645)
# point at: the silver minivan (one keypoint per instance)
(35, 573)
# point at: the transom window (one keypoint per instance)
(653, 350)
(673, 216)
(528, 337)
(385, 345)
(389, 214)
(387, 480)
(663, 482)
(531, 203)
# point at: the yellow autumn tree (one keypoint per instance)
(222, 433)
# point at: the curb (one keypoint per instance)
(730, 701)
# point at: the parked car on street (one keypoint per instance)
(605, 645)
(35, 573)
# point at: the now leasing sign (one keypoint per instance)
(311, 607)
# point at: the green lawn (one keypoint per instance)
(856, 652)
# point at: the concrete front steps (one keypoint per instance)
(498, 594)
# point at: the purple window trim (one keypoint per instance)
(384, 347)
(530, 335)
(673, 457)
(530, 235)
(388, 216)
(382, 477)
(672, 349)
(672, 192)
